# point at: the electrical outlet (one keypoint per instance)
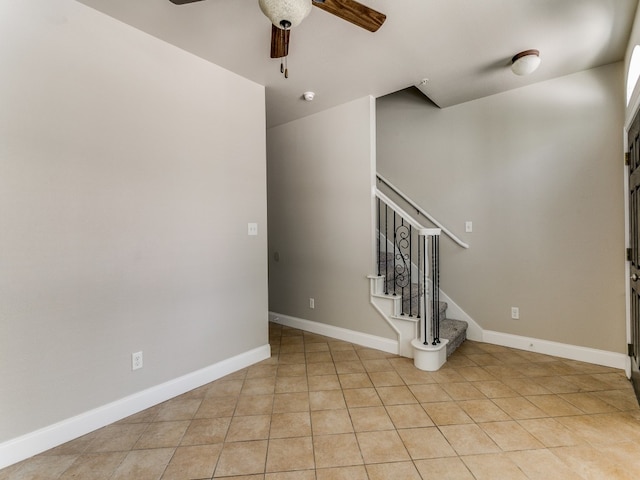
(136, 360)
(312, 303)
(252, 229)
(515, 313)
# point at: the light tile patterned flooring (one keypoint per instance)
(322, 409)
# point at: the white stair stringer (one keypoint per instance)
(390, 308)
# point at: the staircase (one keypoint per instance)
(455, 331)
(406, 289)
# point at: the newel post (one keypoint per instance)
(429, 351)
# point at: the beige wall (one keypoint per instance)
(320, 175)
(129, 170)
(539, 172)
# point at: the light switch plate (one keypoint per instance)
(253, 229)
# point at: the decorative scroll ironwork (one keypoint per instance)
(410, 269)
(402, 254)
(402, 265)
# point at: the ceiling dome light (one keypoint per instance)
(525, 62)
(285, 14)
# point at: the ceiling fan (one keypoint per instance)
(286, 14)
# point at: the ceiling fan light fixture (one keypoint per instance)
(285, 14)
(525, 63)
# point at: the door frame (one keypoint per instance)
(632, 110)
(627, 244)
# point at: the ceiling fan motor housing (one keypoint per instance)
(285, 14)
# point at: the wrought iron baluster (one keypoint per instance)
(403, 265)
(437, 237)
(435, 280)
(386, 249)
(394, 253)
(419, 275)
(410, 273)
(438, 281)
(424, 282)
(379, 236)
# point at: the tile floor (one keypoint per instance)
(322, 409)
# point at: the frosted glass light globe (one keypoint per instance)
(525, 62)
(285, 13)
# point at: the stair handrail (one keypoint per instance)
(420, 210)
(408, 218)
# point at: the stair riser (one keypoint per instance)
(452, 330)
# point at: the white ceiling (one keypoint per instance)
(463, 47)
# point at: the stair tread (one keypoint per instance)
(455, 331)
(450, 328)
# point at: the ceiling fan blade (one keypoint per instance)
(182, 2)
(279, 42)
(353, 12)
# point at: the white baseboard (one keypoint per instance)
(366, 340)
(556, 349)
(563, 350)
(25, 446)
